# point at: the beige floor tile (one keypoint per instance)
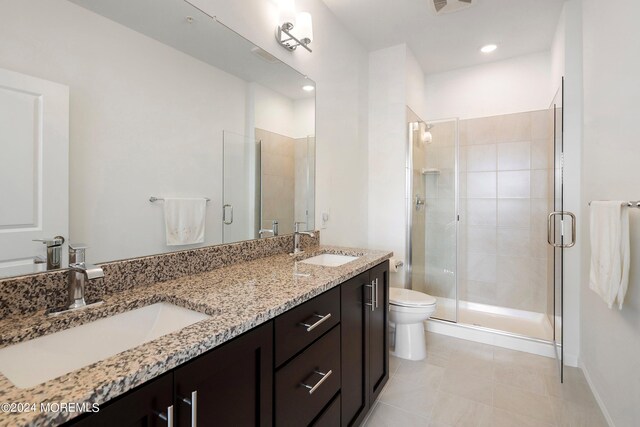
(569, 414)
(479, 389)
(574, 374)
(394, 363)
(473, 364)
(419, 372)
(523, 402)
(520, 377)
(475, 349)
(417, 398)
(452, 410)
(574, 391)
(384, 415)
(544, 365)
(502, 418)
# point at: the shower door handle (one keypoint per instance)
(224, 214)
(550, 238)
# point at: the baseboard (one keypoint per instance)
(603, 408)
(482, 335)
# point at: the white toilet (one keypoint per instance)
(407, 312)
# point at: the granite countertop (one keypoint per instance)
(238, 297)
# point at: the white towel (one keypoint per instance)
(184, 220)
(610, 259)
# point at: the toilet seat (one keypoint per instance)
(409, 298)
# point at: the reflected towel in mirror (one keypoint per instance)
(184, 220)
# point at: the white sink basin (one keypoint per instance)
(329, 260)
(36, 361)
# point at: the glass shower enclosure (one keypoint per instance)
(432, 208)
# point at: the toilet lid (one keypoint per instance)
(409, 298)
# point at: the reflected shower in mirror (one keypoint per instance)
(141, 98)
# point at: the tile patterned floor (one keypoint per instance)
(467, 384)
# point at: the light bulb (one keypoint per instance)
(303, 28)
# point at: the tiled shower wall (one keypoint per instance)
(287, 180)
(505, 183)
(277, 164)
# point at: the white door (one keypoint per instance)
(34, 169)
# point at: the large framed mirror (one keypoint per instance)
(115, 111)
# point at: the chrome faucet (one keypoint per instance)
(273, 230)
(79, 274)
(54, 252)
(296, 237)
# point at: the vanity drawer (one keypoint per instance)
(330, 417)
(299, 327)
(306, 384)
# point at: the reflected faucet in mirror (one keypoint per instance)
(296, 237)
(273, 230)
(54, 252)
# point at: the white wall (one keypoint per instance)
(123, 151)
(395, 82)
(415, 88)
(304, 117)
(338, 65)
(511, 86)
(273, 112)
(611, 338)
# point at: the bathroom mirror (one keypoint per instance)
(107, 105)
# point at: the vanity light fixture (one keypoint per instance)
(488, 48)
(308, 88)
(290, 35)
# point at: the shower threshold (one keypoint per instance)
(522, 323)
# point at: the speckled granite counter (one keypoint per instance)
(237, 297)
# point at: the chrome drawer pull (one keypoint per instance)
(193, 402)
(319, 383)
(168, 417)
(315, 325)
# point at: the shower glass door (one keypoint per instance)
(238, 187)
(432, 206)
(558, 229)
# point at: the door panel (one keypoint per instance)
(379, 331)
(354, 317)
(34, 168)
(234, 383)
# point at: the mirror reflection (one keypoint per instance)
(138, 130)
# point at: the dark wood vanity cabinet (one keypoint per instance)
(233, 386)
(229, 386)
(322, 363)
(365, 355)
(138, 408)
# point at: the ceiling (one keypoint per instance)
(449, 41)
(203, 38)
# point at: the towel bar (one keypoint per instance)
(153, 199)
(631, 204)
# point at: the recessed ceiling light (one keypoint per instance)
(308, 88)
(488, 48)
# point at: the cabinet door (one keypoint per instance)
(234, 383)
(138, 408)
(378, 331)
(354, 317)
